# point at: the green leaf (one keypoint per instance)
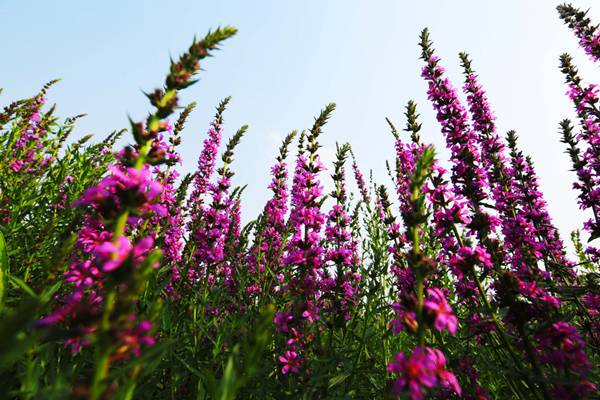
(595, 235)
(336, 380)
(3, 269)
(16, 282)
(229, 382)
(14, 342)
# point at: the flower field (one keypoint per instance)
(122, 279)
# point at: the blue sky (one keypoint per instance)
(289, 60)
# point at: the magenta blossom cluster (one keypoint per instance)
(211, 236)
(587, 33)
(406, 157)
(341, 278)
(472, 246)
(265, 259)
(436, 308)
(467, 173)
(206, 166)
(100, 252)
(206, 162)
(563, 348)
(26, 154)
(343, 254)
(214, 226)
(123, 215)
(303, 257)
(426, 368)
(587, 163)
(517, 230)
(527, 229)
(414, 312)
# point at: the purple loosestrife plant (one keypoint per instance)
(426, 367)
(470, 180)
(448, 284)
(406, 157)
(584, 151)
(586, 180)
(533, 208)
(172, 238)
(201, 183)
(213, 231)
(208, 156)
(526, 224)
(304, 256)
(116, 251)
(340, 282)
(587, 33)
(467, 174)
(586, 163)
(360, 181)
(469, 185)
(265, 258)
(536, 230)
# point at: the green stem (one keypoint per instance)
(421, 330)
(533, 359)
(503, 336)
(105, 339)
(104, 350)
(131, 385)
(419, 274)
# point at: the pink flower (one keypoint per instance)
(282, 319)
(290, 361)
(437, 306)
(310, 314)
(416, 373)
(141, 249)
(424, 369)
(112, 255)
(447, 378)
(405, 319)
(132, 340)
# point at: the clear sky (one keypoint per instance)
(291, 58)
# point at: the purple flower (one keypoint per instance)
(405, 319)
(124, 187)
(207, 162)
(133, 340)
(468, 175)
(290, 361)
(466, 258)
(111, 255)
(340, 281)
(282, 320)
(437, 307)
(563, 347)
(425, 369)
(268, 246)
(587, 33)
(360, 182)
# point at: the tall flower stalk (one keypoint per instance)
(266, 256)
(115, 255)
(587, 33)
(304, 255)
(426, 367)
(341, 279)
